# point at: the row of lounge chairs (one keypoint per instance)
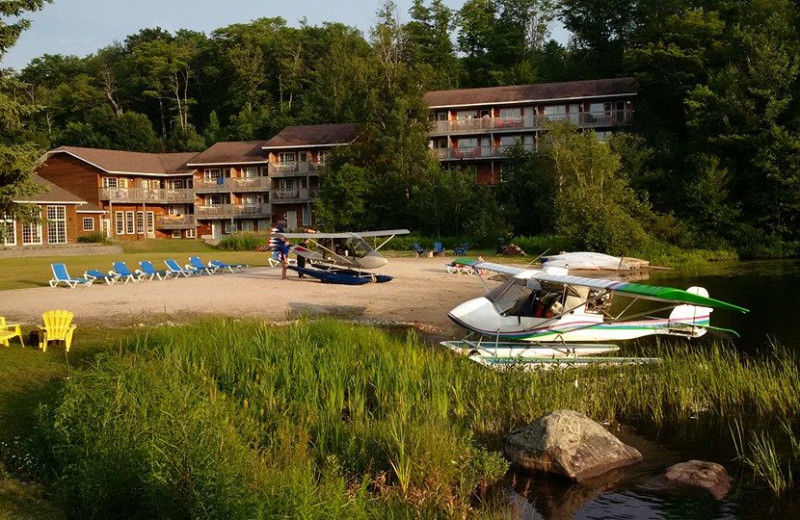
(146, 271)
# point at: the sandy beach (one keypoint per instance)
(421, 293)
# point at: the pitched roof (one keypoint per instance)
(231, 152)
(119, 161)
(313, 135)
(532, 93)
(51, 193)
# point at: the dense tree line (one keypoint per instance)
(713, 158)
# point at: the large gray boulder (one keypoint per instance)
(570, 444)
(694, 476)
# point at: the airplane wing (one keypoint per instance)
(361, 234)
(635, 290)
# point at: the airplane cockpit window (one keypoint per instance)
(357, 247)
(526, 298)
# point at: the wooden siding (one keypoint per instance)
(73, 175)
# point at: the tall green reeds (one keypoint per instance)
(315, 418)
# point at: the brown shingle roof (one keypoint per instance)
(535, 93)
(118, 161)
(51, 193)
(232, 152)
(313, 135)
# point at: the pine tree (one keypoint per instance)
(17, 159)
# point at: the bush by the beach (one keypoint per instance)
(242, 242)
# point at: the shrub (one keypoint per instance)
(93, 238)
(242, 242)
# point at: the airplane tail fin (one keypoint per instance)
(691, 320)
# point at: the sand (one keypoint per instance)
(421, 294)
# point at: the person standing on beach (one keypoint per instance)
(301, 260)
(277, 242)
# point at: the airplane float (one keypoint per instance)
(545, 313)
(342, 258)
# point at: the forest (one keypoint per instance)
(712, 159)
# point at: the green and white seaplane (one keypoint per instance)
(544, 316)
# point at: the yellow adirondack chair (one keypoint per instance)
(8, 331)
(57, 326)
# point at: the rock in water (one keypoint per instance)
(694, 475)
(570, 444)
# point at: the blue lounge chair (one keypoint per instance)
(219, 264)
(60, 275)
(150, 272)
(461, 250)
(438, 249)
(196, 263)
(96, 275)
(125, 274)
(175, 268)
(421, 251)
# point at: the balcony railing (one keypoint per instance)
(294, 169)
(144, 195)
(476, 152)
(232, 184)
(511, 124)
(278, 196)
(175, 222)
(233, 211)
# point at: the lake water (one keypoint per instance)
(769, 290)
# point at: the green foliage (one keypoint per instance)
(343, 197)
(241, 242)
(93, 238)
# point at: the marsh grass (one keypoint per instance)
(243, 419)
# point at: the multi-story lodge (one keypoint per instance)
(231, 189)
(251, 185)
(141, 195)
(475, 127)
(296, 156)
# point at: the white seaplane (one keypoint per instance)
(343, 258)
(540, 314)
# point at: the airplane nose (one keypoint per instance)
(372, 261)
(470, 311)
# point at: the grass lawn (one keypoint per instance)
(24, 273)
(30, 378)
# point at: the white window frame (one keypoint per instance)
(140, 222)
(109, 182)
(191, 233)
(119, 222)
(150, 221)
(122, 182)
(88, 223)
(251, 172)
(33, 230)
(56, 224)
(11, 231)
(130, 222)
(287, 157)
(211, 174)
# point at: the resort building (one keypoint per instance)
(296, 155)
(231, 189)
(63, 217)
(140, 195)
(252, 185)
(474, 128)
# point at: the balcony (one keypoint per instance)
(175, 222)
(232, 185)
(477, 152)
(146, 195)
(539, 122)
(290, 196)
(233, 211)
(295, 169)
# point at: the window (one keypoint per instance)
(176, 184)
(303, 156)
(10, 226)
(265, 171)
(88, 224)
(140, 222)
(250, 172)
(466, 114)
(151, 222)
(555, 112)
(286, 157)
(122, 182)
(56, 224)
(228, 227)
(306, 215)
(211, 174)
(119, 218)
(190, 233)
(32, 233)
(323, 157)
(144, 183)
(129, 222)
(248, 225)
(109, 182)
(226, 172)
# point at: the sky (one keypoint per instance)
(81, 27)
